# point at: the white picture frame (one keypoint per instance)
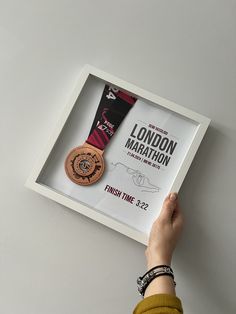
(95, 77)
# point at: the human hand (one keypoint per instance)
(165, 233)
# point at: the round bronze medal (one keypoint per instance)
(84, 164)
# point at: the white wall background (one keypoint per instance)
(54, 260)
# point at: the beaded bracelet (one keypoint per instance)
(151, 274)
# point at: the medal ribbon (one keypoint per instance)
(112, 109)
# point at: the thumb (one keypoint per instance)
(169, 207)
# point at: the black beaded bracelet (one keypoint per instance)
(151, 274)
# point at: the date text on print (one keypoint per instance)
(84, 165)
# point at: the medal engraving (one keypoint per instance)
(84, 165)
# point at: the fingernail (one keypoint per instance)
(173, 196)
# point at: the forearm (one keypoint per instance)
(161, 285)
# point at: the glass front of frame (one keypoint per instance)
(142, 159)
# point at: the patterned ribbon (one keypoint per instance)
(112, 109)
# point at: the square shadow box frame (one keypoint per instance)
(148, 156)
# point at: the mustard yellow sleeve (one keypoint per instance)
(159, 304)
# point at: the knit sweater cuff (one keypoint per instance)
(159, 301)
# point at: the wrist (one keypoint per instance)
(155, 258)
(152, 274)
(152, 262)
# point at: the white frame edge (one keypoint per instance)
(87, 211)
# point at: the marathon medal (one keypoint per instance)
(85, 164)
